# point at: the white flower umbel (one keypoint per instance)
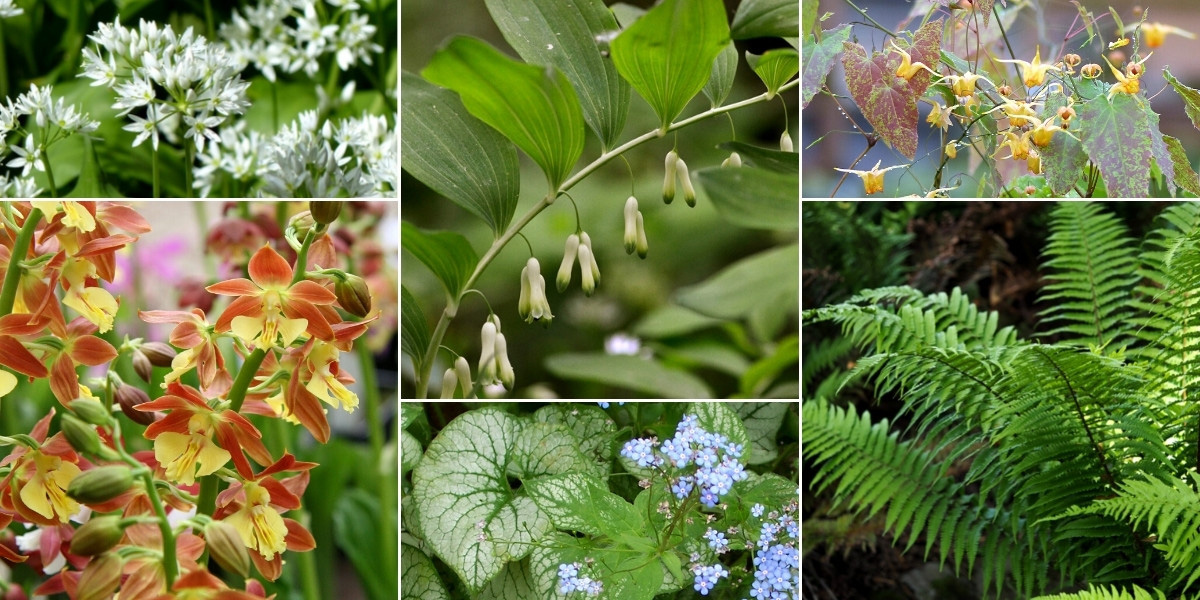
(292, 36)
(9, 9)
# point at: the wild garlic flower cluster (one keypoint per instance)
(293, 35)
(8, 9)
(54, 120)
(177, 84)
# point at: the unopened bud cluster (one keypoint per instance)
(675, 167)
(494, 366)
(635, 229)
(579, 246)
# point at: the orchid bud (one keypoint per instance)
(158, 353)
(98, 535)
(568, 262)
(449, 382)
(785, 142)
(631, 211)
(100, 577)
(353, 295)
(487, 354)
(141, 365)
(643, 247)
(325, 211)
(130, 396)
(100, 484)
(463, 370)
(91, 411)
(82, 436)
(685, 180)
(672, 162)
(585, 240)
(507, 377)
(225, 545)
(585, 260)
(734, 160)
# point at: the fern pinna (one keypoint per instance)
(1062, 460)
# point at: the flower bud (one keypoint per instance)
(568, 262)
(672, 162)
(1090, 70)
(643, 247)
(353, 295)
(487, 354)
(129, 397)
(325, 211)
(100, 484)
(98, 535)
(449, 383)
(142, 366)
(463, 371)
(100, 577)
(1072, 59)
(91, 411)
(82, 437)
(785, 141)
(225, 545)
(1005, 90)
(507, 377)
(734, 160)
(685, 180)
(951, 150)
(585, 240)
(585, 259)
(303, 223)
(631, 210)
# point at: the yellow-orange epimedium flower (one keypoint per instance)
(1018, 112)
(1033, 73)
(908, 68)
(1043, 131)
(872, 179)
(1154, 34)
(939, 116)
(1130, 81)
(1018, 146)
(964, 85)
(270, 307)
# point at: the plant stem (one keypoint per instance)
(237, 394)
(12, 276)
(452, 307)
(49, 173)
(308, 564)
(154, 171)
(302, 257)
(3, 65)
(873, 21)
(274, 108)
(189, 152)
(377, 438)
(169, 562)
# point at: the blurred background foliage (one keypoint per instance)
(687, 245)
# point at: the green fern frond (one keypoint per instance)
(1091, 264)
(1108, 593)
(825, 359)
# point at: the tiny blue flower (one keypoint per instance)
(716, 540)
(757, 510)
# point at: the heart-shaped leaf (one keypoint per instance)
(1117, 137)
(458, 156)
(775, 67)
(754, 197)
(818, 60)
(718, 417)
(463, 482)
(420, 581)
(579, 502)
(1185, 175)
(667, 54)
(448, 254)
(766, 18)
(628, 372)
(533, 106)
(1191, 97)
(1063, 158)
(720, 82)
(563, 35)
(762, 421)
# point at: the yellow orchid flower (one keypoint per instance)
(873, 179)
(1034, 73)
(1128, 82)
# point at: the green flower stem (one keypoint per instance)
(169, 561)
(190, 152)
(302, 256)
(308, 563)
(49, 173)
(274, 108)
(12, 276)
(452, 308)
(376, 436)
(154, 171)
(237, 394)
(3, 65)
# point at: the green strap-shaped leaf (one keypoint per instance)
(357, 533)
(818, 60)
(771, 277)
(414, 331)
(1117, 137)
(767, 18)
(535, 107)
(775, 67)
(668, 53)
(766, 158)
(563, 35)
(720, 82)
(628, 372)
(447, 149)
(754, 197)
(449, 255)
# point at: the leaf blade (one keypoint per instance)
(818, 60)
(447, 254)
(629, 372)
(767, 18)
(754, 197)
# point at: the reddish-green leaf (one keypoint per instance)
(818, 60)
(884, 99)
(1162, 155)
(1191, 97)
(926, 48)
(1117, 136)
(1063, 159)
(985, 7)
(1185, 176)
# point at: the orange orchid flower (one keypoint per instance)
(80, 347)
(14, 354)
(269, 306)
(35, 487)
(196, 337)
(202, 585)
(183, 440)
(255, 508)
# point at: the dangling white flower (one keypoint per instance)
(507, 377)
(568, 262)
(533, 304)
(643, 246)
(585, 240)
(734, 160)
(785, 142)
(671, 164)
(585, 271)
(631, 212)
(463, 371)
(685, 180)
(487, 354)
(449, 382)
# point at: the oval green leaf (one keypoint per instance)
(414, 331)
(775, 67)
(769, 278)
(766, 18)
(533, 106)
(668, 53)
(456, 155)
(767, 158)
(563, 35)
(720, 82)
(448, 254)
(753, 197)
(628, 372)
(819, 59)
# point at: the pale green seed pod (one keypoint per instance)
(671, 163)
(585, 240)
(463, 371)
(643, 246)
(449, 382)
(734, 160)
(631, 211)
(487, 354)
(685, 180)
(585, 270)
(507, 376)
(568, 262)
(785, 142)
